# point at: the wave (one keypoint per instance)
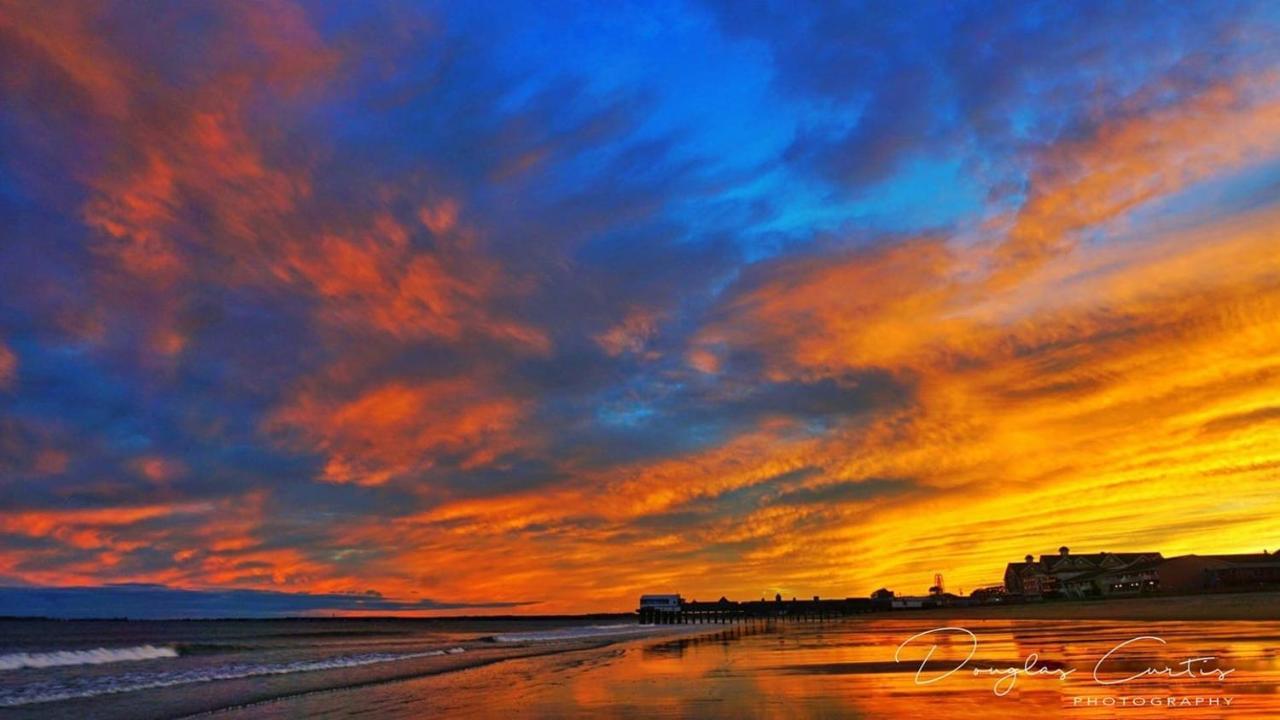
(577, 633)
(97, 656)
(53, 691)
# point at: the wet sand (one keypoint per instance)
(844, 669)
(203, 667)
(673, 671)
(184, 701)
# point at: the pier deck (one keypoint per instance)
(728, 611)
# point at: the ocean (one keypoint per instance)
(162, 669)
(864, 667)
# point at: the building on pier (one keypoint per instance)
(661, 603)
(672, 609)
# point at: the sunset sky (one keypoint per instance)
(499, 307)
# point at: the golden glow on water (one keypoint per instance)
(813, 670)
(848, 670)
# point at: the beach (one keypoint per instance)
(847, 668)
(164, 669)
(613, 667)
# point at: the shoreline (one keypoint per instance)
(1254, 606)
(203, 699)
(269, 695)
(1257, 606)
(468, 664)
(525, 651)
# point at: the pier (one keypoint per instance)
(729, 611)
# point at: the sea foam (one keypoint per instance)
(96, 656)
(56, 690)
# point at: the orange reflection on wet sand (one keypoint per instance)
(847, 669)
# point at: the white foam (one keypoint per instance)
(579, 633)
(97, 656)
(52, 691)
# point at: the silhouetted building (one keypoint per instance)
(989, 595)
(1242, 572)
(1143, 573)
(1067, 574)
(1024, 578)
(1193, 574)
(660, 603)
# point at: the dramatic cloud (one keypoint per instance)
(316, 309)
(399, 429)
(8, 366)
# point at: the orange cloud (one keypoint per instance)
(703, 359)
(631, 335)
(8, 366)
(863, 310)
(1085, 183)
(200, 193)
(50, 462)
(211, 544)
(399, 429)
(135, 215)
(62, 38)
(171, 150)
(159, 469)
(440, 217)
(90, 529)
(380, 281)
